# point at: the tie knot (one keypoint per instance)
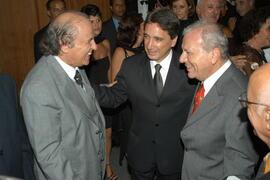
(157, 67)
(78, 78)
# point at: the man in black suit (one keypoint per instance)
(160, 96)
(11, 139)
(54, 8)
(110, 27)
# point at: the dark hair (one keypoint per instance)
(190, 3)
(60, 33)
(111, 2)
(252, 22)
(48, 4)
(91, 10)
(128, 29)
(166, 19)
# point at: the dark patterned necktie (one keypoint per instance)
(78, 78)
(198, 98)
(158, 80)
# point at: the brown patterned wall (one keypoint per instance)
(19, 20)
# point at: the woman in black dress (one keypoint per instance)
(129, 42)
(98, 72)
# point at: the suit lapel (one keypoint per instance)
(209, 103)
(66, 86)
(172, 76)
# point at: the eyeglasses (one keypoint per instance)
(244, 102)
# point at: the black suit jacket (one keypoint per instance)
(109, 32)
(154, 136)
(10, 130)
(37, 39)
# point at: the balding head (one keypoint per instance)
(258, 94)
(70, 30)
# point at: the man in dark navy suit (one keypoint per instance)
(110, 27)
(54, 8)
(11, 136)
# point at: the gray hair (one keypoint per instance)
(212, 36)
(60, 33)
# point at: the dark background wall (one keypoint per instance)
(19, 20)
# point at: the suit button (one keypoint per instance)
(156, 124)
(158, 105)
(154, 142)
(1, 152)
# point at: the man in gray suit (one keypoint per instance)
(64, 121)
(216, 138)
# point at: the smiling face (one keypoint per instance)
(196, 59)
(209, 9)
(78, 54)
(96, 24)
(157, 42)
(181, 8)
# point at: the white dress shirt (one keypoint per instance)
(211, 80)
(165, 65)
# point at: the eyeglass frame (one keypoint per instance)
(244, 102)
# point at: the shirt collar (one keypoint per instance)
(165, 63)
(211, 80)
(116, 23)
(71, 71)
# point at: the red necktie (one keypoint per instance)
(198, 98)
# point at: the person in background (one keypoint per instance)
(216, 137)
(98, 71)
(129, 42)
(185, 11)
(140, 6)
(54, 8)
(11, 130)
(242, 8)
(255, 32)
(110, 27)
(257, 102)
(65, 124)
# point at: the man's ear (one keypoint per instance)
(174, 41)
(215, 55)
(267, 117)
(64, 48)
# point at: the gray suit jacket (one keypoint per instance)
(65, 124)
(216, 139)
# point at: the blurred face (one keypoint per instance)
(157, 42)
(256, 117)
(118, 8)
(84, 44)
(195, 58)
(263, 37)
(243, 6)
(181, 8)
(96, 24)
(210, 10)
(56, 7)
